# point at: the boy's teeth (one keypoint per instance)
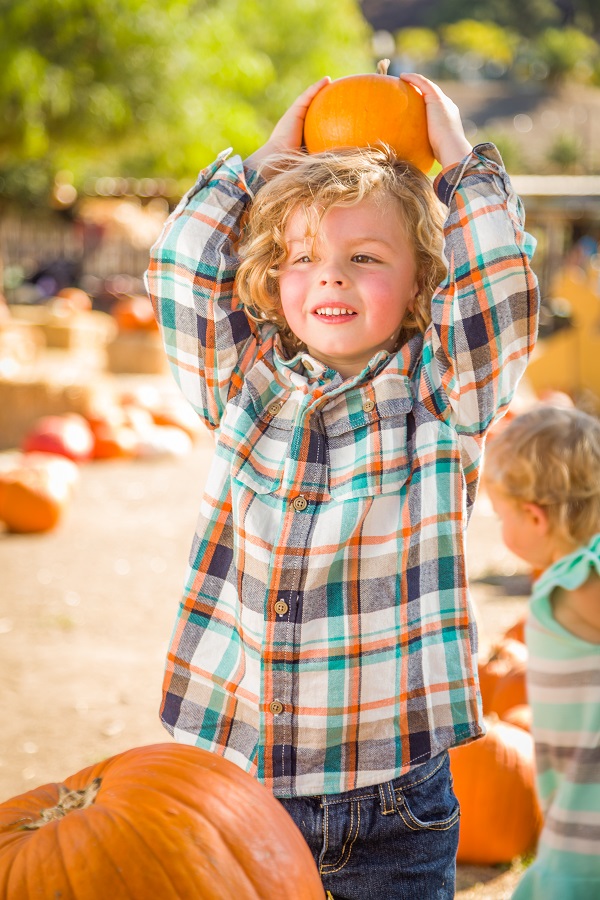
(328, 311)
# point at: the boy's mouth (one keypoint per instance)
(334, 313)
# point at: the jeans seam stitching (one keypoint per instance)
(341, 856)
(443, 825)
(325, 838)
(431, 774)
(344, 862)
(352, 799)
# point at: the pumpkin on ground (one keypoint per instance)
(510, 691)
(168, 821)
(519, 715)
(517, 630)
(506, 656)
(494, 781)
(67, 435)
(133, 312)
(364, 110)
(74, 299)
(114, 438)
(35, 490)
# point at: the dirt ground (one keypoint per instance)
(86, 613)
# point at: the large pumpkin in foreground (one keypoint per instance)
(166, 821)
(364, 110)
(494, 781)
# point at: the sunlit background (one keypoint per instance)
(108, 110)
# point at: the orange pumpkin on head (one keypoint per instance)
(366, 110)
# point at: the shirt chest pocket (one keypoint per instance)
(261, 449)
(367, 449)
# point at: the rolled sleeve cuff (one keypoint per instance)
(484, 157)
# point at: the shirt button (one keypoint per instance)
(299, 503)
(368, 406)
(276, 707)
(281, 607)
(275, 408)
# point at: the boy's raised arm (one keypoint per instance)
(484, 315)
(190, 279)
(209, 341)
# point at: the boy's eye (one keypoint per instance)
(363, 258)
(302, 259)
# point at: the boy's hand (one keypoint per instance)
(287, 134)
(446, 133)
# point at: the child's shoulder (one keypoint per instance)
(578, 610)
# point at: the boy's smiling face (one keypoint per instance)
(346, 291)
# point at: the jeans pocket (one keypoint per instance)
(429, 803)
(341, 824)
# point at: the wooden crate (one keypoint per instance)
(28, 395)
(68, 329)
(137, 352)
(21, 344)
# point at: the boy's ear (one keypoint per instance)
(538, 517)
(413, 299)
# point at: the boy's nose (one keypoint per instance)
(332, 274)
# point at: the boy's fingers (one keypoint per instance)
(424, 84)
(305, 99)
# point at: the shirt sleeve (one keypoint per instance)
(485, 313)
(209, 340)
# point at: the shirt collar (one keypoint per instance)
(303, 370)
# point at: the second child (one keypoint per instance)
(542, 474)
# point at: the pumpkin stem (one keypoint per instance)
(383, 66)
(67, 802)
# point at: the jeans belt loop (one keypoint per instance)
(387, 798)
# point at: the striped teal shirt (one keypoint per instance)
(325, 639)
(563, 686)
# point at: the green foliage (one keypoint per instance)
(157, 87)
(587, 16)
(474, 45)
(567, 51)
(485, 40)
(525, 17)
(508, 147)
(565, 154)
(419, 44)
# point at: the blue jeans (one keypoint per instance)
(393, 841)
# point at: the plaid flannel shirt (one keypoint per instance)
(325, 640)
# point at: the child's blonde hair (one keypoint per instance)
(551, 457)
(323, 180)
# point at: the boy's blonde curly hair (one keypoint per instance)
(551, 457)
(323, 180)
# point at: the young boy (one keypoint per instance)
(325, 641)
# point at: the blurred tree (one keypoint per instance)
(565, 154)
(566, 52)
(526, 17)
(583, 14)
(509, 148)
(156, 87)
(484, 40)
(420, 45)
